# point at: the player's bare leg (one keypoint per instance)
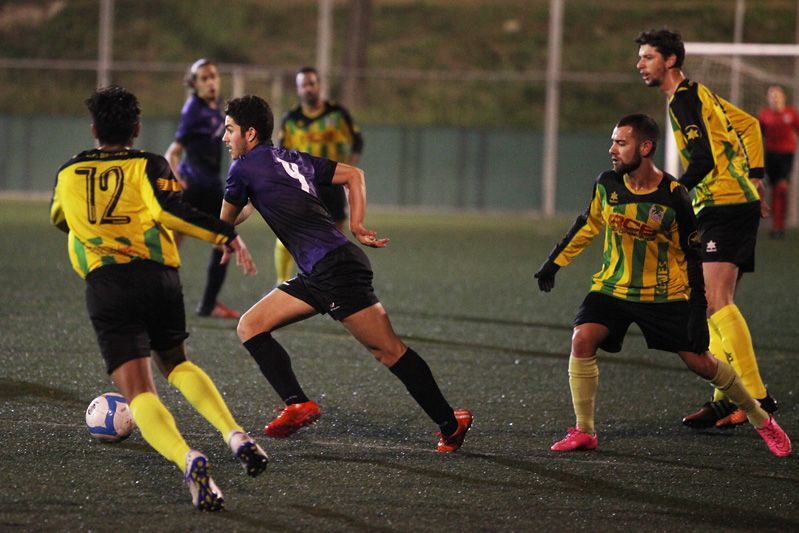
(273, 311)
(372, 328)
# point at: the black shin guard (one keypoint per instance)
(275, 365)
(414, 373)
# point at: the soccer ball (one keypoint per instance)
(108, 418)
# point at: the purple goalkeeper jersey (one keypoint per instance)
(282, 186)
(200, 131)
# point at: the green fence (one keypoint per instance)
(406, 166)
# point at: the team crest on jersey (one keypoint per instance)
(614, 198)
(692, 132)
(656, 213)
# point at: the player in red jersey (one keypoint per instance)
(780, 123)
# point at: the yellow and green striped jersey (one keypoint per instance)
(720, 146)
(120, 207)
(650, 250)
(331, 133)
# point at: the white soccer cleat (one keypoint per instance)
(253, 458)
(205, 495)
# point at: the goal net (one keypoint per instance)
(742, 74)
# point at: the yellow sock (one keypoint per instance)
(203, 395)
(738, 342)
(717, 349)
(284, 263)
(584, 381)
(158, 428)
(732, 386)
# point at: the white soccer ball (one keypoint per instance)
(108, 418)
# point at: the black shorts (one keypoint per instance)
(340, 283)
(778, 167)
(729, 234)
(206, 199)
(135, 308)
(335, 200)
(664, 325)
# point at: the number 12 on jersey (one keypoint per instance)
(91, 194)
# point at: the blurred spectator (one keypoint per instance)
(322, 128)
(780, 123)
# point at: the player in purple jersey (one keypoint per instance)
(199, 133)
(335, 275)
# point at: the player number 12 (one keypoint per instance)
(91, 183)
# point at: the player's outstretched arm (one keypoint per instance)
(352, 178)
(585, 228)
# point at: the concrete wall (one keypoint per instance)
(405, 166)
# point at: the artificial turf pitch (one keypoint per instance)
(459, 289)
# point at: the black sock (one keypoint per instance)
(213, 284)
(275, 365)
(418, 379)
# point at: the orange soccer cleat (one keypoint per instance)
(455, 441)
(292, 418)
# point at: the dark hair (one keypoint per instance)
(191, 74)
(115, 113)
(307, 70)
(252, 112)
(668, 43)
(644, 128)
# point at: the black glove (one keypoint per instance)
(546, 275)
(698, 334)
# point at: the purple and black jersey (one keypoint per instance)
(200, 132)
(281, 184)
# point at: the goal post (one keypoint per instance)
(742, 73)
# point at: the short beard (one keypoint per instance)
(312, 101)
(630, 167)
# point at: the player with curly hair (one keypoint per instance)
(120, 207)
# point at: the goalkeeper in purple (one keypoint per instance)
(335, 275)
